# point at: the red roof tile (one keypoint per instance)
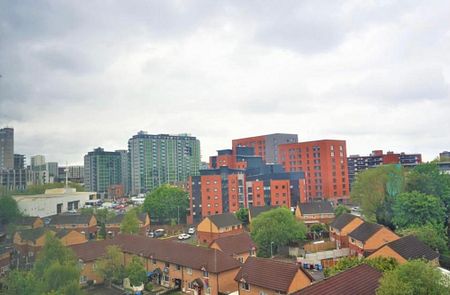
(360, 280)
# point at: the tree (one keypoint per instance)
(242, 215)
(103, 215)
(275, 228)
(55, 272)
(53, 251)
(9, 210)
(414, 277)
(20, 282)
(382, 264)
(341, 209)
(428, 179)
(416, 209)
(110, 267)
(375, 189)
(432, 235)
(167, 202)
(130, 223)
(135, 271)
(102, 232)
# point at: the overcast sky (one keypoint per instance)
(82, 74)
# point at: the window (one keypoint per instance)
(153, 260)
(189, 270)
(83, 279)
(167, 264)
(205, 273)
(262, 293)
(178, 267)
(245, 286)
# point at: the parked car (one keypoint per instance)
(184, 236)
(160, 232)
(191, 230)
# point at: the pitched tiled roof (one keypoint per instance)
(255, 211)
(365, 231)
(195, 257)
(410, 247)
(360, 280)
(341, 221)
(268, 273)
(91, 251)
(70, 219)
(32, 234)
(235, 244)
(224, 220)
(316, 207)
(26, 220)
(119, 217)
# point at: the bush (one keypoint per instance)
(148, 287)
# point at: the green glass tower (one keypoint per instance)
(160, 159)
(101, 170)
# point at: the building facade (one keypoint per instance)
(266, 146)
(125, 164)
(102, 169)
(357, 163)
(7, 148)
(324, 163)
(161, 159)
(19, 162)
(242, 179)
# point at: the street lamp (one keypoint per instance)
(271, 250)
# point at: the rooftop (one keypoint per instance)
(365, 231)
(360, 280)
(410, 247)
(224, 220)
(69, 219)
(268, 273)
(323, 207)
(235, 244)
(341, 221)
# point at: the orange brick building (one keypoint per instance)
(324, 163)
(242, 179)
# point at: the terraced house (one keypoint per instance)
(341, 227)
(85, 224)
(196, 270)
(113, 226)
(218, 226)
(315, 212)
(261, 276)
(368, 237)
(239, 246)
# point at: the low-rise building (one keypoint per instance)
(113, 225)
(359, 280)
(53, 201)
(85, 224)
(70, 237)
(368, 237)
(407, 248)
(238, 246)
(267, 276)
(315, 212)
(218, 226)
(29, 222)
(342, 226)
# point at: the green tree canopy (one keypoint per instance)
(135, 271)
(110, 267)
(414, 277)
(428, 179)
(432, 235)
(341, 209)
(130, 223)
(20, 282)
(375, 189)
(277, 227)
(242, 215)
(383, 264)
(9, 210)
(55, 271)
(416, 209)
(167, 202)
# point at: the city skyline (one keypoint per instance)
(374, 74)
